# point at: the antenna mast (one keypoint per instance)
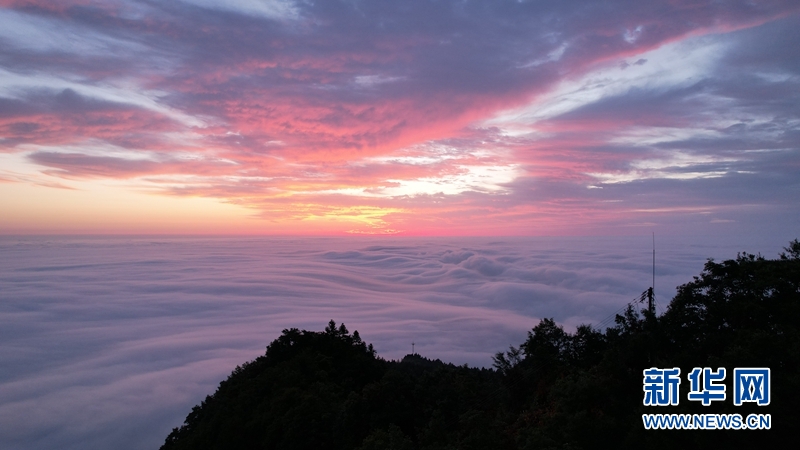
(650, 292)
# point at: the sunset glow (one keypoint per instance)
(408, 118)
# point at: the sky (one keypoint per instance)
(415, 118)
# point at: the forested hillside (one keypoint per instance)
(559, 390)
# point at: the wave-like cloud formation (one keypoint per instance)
(363, 116)
(108, 342)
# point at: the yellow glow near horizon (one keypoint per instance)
(28, 208)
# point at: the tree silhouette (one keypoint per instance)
(557, 390)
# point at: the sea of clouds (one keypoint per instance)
(109, 342)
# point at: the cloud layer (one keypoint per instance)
(108, 342)
(417, 117)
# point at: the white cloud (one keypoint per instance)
(272, 9)
(374, 80)
(632, 36)
(670, 66)
(38, 34)
(17, 85)
(552, 56)
(488, 178)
